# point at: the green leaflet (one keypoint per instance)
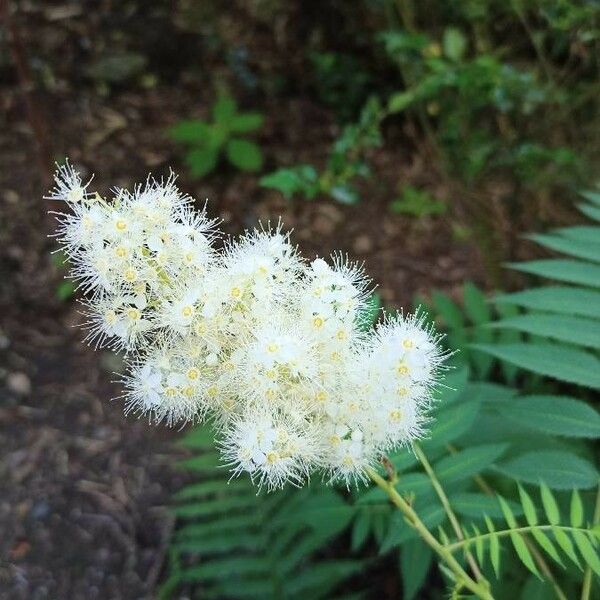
(469, 462)
(570, 271)
(559, 299)
(560, 470)
(582, 233)
(586, 250)
(415, 561)
(478, 505)
(574, 330)
(558, 362)
(556, 415)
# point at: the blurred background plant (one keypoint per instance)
(208, 141)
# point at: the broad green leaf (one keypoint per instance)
(574, 330)
(593, 212)
(449, 310)
(454, 43)
(399, 532)
(550, 505)
(571, 271)
(215, 506)
(223, 525)
(227, 567)
(560, 362)
(555, 415)
(478, 311)
(199, 438)
(302, 179)
(202, 161)
(415, 561)
(452, 386)
(576, 248)
(224, 109)
(576, 509)
(360, 529)
(560, 299)
(243, 154)
(477, 505)
(193, 132)
(219, 543)
(451, 422)
(204, 462)
(324, 509)
(246, 122)
(587, 551)
(536, 589)
(401, 100)
(215, 486)
(468, 462)
(592, 196)
(322, 576)
(582, 233)
(560, 470)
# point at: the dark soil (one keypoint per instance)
(84, 491)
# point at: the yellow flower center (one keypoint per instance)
(396, 416)
(121, 251)
(402, 369)
(341, 334)
(270, 394)
(212, 391)
(193, 373)
(130, 275)
(321, 396)
(318, 322)
(402, 391)
(408, 344)
(170, 392)
(188, 391)
(133, 314)
(236, 292)
(272, 458)
(272, 348)
(121, 225)
(187, 311)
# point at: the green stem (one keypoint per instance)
(462, 577)
(446, 504)
(586, 589)
(504, 532)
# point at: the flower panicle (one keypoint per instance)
(270, 347)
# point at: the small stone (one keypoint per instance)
(19, 383)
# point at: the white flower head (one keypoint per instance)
(271, 349)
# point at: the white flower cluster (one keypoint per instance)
(269, 346)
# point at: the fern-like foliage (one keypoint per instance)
(576, 540)
(233, 543)
(562, 321)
